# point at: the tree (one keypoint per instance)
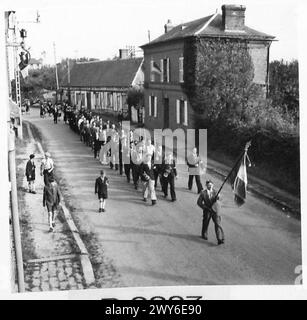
(135, 97)
(284, 86)
(44, 78)
(219, 77)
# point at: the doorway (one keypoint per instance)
(89, 100)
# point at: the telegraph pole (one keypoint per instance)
(12, 172)
(56, 72)
(17, 76)
(68, 80)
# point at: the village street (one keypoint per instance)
(161, 245)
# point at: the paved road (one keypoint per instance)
(161, 245)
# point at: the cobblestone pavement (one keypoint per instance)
(51, 260)
(53, 275)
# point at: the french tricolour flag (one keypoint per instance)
(240, 182)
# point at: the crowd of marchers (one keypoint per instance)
(136, 156)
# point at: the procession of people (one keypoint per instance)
(133, 155)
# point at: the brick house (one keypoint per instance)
(166, 104)
(102, 86)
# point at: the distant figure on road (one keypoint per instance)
(208, 202)
(101, 188)
(46, 168)
(28, 107)
(42, 111)
(55, 114)
(194, 163)
(51, 199)
(30, 174)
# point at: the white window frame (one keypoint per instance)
(156, 107)
(115, 101)
(161, 68)
(152, 75)
(181, 71)
(185, 122)
(149, 106)
(168, 70)
(178, 111)
(153, 109)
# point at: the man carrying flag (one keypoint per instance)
(208, 199)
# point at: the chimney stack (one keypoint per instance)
(168, 26)
(233, 17)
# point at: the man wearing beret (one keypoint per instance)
(30, 174)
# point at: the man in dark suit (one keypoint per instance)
(51, 199)
(168, 175)
(30, 173)
(208, 201)
(55, 114)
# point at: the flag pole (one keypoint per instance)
(247, 145)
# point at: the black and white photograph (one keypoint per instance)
(151, 144)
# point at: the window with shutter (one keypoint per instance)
(178, 111)
(152, 75)
(185, 113)
(149, 106)
(181, 69)
(165, 68)
(162, 70)
(168, 70)
(181, 111)
(155, 108)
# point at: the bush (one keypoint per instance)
(275, 149)
(284, 86)
(210, 82)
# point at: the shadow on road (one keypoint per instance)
(166, 276)
(188, 237)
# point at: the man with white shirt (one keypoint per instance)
(149, 147)
(208, 201)
(46, 168)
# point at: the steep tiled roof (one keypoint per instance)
(109, 73)
(213, 29)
